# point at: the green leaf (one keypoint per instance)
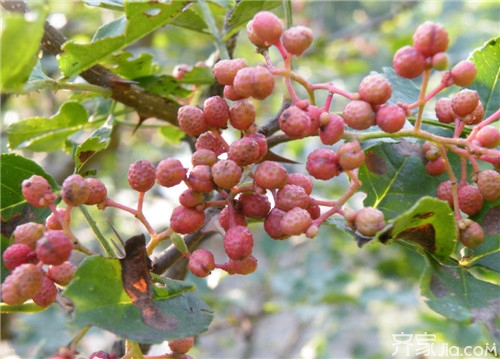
(226, 4)
(127, 66)
(245, 10)
(394, 177)
(142, 18)
(44, 134)
(199, 76)
(28, 307)
(404, 90)
(38, 75)
(163, 85)
(489, 261)
(19, 45)
(189, 19)
(179, 243)
(79, 57)
(114, 28)
(173, 134)
(430, 224)
(107, 4)
(38, 80)
(99, 140)
(455, 293)
(487, 254)
(341, 224)
(487, 82)
(99, 298)
(14, 208)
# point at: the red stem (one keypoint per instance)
(483, 123)
(337, 205)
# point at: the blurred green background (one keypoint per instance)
(320, 298)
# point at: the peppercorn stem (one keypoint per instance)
(421, 99)
(100, 237)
